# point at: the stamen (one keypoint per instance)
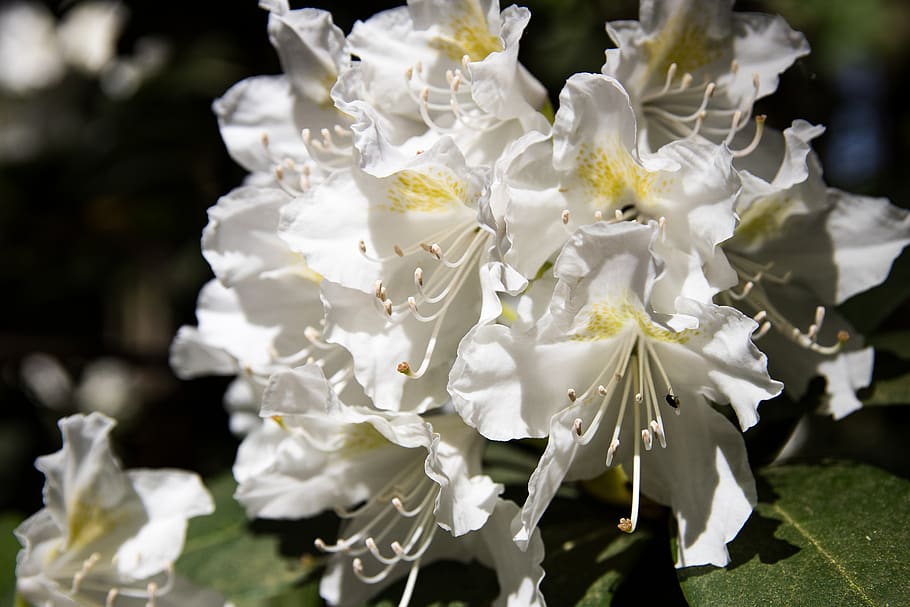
(576, 427)
(404, 368)
(87, 566)
(565, 216)
(762, 330)
(734, 127)
(625, 525)
(398, 251)
(658, 431)
(571, 394)
(399, 506)
(646, 439)
(614, 442)
(636, 468)
(614, 445)
(756, 139)
(747, 288)
(671, 74)
(685, 82)
(370, 543)
(699, 121)
(409, 585)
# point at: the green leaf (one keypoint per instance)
(226, 553)
(9, 548)
(834, 534)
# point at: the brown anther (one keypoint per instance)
(843, 336)
(625, 525)
(565, 216)
(398, 251)
(362, 246)
(404, 368)
(571, 394)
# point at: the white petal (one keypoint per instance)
(241, 240)
(84, 485)
(508, 386)
(169, 497)
(721, 350)
(704, 475)
(518, 571)
(311, 49)
(466, 498)
(263, 105)
(555, 463)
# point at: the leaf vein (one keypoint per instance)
(846, 574)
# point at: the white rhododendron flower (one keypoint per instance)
(402, 258)
(438, 68)
(602, 377)
(262, 313)
(262, 118)
(698, 67)
(396, 478)
(801, 248)
(108, 537)
(591, 170)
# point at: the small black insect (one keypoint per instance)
(673, 401)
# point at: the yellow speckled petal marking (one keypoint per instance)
(606, 320)
(613, 177)
(683, 41)
(431, 192)
(763, 219)
(470, 35)
(361, 438)
(87, 522)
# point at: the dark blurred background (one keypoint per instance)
(105, 179)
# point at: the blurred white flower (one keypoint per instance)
(30, 56)
(88, 34)
(107, 537)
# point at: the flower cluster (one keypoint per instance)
(424, 258)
